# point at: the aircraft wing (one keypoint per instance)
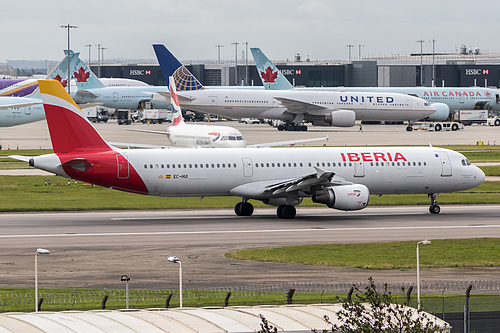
(20, 158)
(166, 95)
(138, 145)
(296, 106)
(85, 93)
(146, 131)
(21, 105)
(286, 143)
(303, 185)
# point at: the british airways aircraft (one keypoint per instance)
(321, 108)
(446, 100)
(341, 178)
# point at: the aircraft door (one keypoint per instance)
(122, 166)
(359, 169)
(247, 167)
(115, 97)
(27, 111)
(214, 100)
(461, 98)
(445, 164)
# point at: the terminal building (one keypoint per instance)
(464, 69)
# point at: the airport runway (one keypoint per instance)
(95, 249)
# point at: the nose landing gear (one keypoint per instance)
(434, 208)
(243, 208)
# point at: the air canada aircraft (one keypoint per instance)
(341, 178)
(92, 90)
(445, 100)
(321, 108)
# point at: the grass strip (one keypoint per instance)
(450, 253)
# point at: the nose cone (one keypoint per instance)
(479, 176)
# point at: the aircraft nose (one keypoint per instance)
(479, 176)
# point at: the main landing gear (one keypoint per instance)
(286, 211)
(434, 208)
(289, 126)
(243, 208)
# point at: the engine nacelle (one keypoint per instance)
(442, 112)
(341, 118)
(282, 201)
(344, 197)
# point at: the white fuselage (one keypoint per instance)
(314, 104)
(457, 98)
(384, 170)
(20, 115)
(205, 136)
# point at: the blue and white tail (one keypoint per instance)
(271, 77)
(176, 107)
(83, 76)
(170, 66)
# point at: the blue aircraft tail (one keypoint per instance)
(170, 66)
(271, 77)
(83, 76)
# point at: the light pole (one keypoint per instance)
(38, 251)
(433, 62)
(235, 63)
(126, 279)
(421, 61)
(424, 242)
(349, 47)
(218, 46)
(68, 26)
(89, 46)
(176, 260)
(359, 51)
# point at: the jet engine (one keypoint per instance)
(341, 118)
(344, 197)
(442, 112)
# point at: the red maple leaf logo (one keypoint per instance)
(81, 75)
(269, 76)
(488, 94)
(63, 82)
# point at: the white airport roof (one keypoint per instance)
(238, 319)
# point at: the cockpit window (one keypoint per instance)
(466, 162)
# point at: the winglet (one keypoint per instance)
(69, 128)
(271, 77)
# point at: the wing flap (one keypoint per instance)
(305, 185)
(297, 106)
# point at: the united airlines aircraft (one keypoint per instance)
(321, 108)
(341, 178)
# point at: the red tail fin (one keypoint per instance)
(69, 129)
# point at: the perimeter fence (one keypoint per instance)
(437, 296)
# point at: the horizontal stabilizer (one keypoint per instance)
(80, 164)
(20, 158)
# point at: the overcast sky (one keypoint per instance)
(191, 28)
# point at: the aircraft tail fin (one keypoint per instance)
(84, 77)
(69, 129)
(174, 100)
(170, 66)
(271, 77)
